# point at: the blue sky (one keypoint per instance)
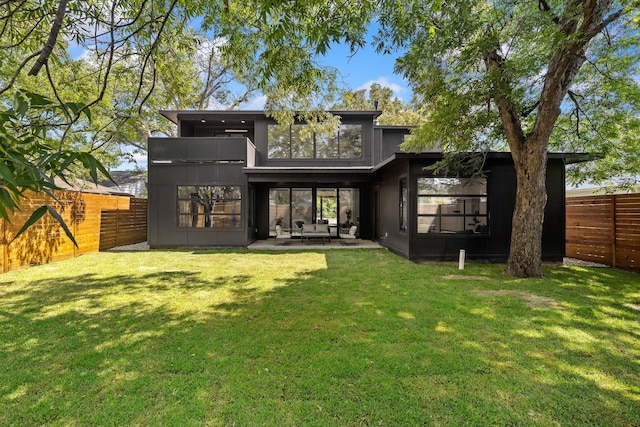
(359, 71)
(366, 67)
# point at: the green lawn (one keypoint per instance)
(338, 338)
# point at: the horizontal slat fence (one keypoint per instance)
(605, 229)
(97, 221)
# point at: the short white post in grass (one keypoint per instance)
(461, 260)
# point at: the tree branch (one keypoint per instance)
(17, 73)
(25, 37)
(154, 47)
(530, 109)
(544, 6)
(494, 64)
(577, 110)
(51, 41)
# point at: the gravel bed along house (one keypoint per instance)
(581, 263)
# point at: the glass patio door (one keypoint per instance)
(292, 207)
(289, 208)
(327, 205)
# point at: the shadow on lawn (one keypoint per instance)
(341, 346)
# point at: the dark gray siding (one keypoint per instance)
(388, 210)
(194, 161)
(501, 188)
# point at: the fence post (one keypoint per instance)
(614, 230)
(117, 213)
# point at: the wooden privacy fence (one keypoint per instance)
(97, 221)
(605, 229)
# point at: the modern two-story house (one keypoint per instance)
(230, 177)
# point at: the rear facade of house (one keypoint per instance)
(231, 176)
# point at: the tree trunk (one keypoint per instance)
(525, 255)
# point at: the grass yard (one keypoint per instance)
(320, 338)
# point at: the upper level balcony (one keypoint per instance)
(202, 150)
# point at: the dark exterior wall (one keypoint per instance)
(388, 210)
(196, 161)
(388, 142)
(501, 189)
(554, 230)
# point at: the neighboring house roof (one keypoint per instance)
(83, 186)
(129, 182)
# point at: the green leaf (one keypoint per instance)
(35, 216)
(39, 213)
(58, 218)
(7, 204)
(91, 164)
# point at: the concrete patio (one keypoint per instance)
(297, 244)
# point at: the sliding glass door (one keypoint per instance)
(292, 207)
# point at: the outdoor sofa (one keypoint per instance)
(315, 231)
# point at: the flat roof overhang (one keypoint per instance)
(309, 174)
(568, 158)
(249, 115)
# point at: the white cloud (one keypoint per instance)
(398, 90)
(255, 104)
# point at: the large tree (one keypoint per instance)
(518, 75)
(505, 70)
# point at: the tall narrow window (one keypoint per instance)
(350, 141)
(349, 202)
(327, 145)
(279, 141)
(301, 142)
(404, 202)
(209, 206)
(301, 207)
(452, 205)
(279, 208)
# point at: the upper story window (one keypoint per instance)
(299, 142)
(452, 205)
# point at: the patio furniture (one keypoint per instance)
(281, 235)
(315, 231)
(350, 234)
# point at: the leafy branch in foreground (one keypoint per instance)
(30, 158)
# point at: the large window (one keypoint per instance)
(299, 142)
(452, 205)
(209, 206)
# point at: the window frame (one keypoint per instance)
(203, 220)
(286, 150)
(480, 217)
(403, 205)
